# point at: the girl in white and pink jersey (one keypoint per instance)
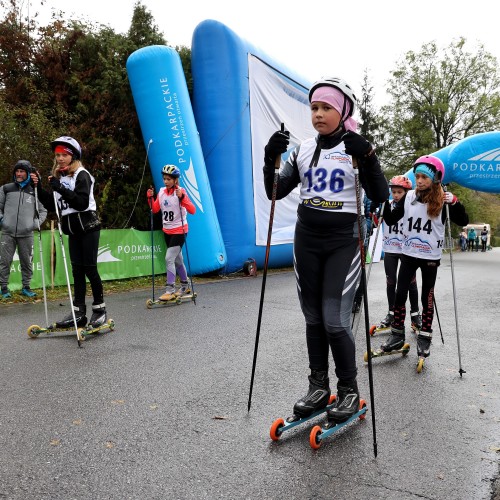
(174, 204)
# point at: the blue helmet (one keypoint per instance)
(171, 170)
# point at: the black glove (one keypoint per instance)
(374, 207)
(277, 145)
(356, 145)
(55, 184)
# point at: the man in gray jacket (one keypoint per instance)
(17, 221)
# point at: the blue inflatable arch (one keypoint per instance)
(240, 98)
(170, 135)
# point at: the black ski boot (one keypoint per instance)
(387, 320)
(347, 403)
(416, 321)
(395, 341)
(99, 316)
(80, 316)
(317, 397)
(424, 340)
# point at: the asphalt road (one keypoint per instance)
(157, 409)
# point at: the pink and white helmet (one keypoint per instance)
(434, 163)
(400, 181)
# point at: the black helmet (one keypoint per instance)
(70, 143)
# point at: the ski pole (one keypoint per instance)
(187, 254)
(365, 301)
(66, 269)
(150, 200)
(264, 272)
(357, 316)
(437, 316)
(37, 215)
(460, 369)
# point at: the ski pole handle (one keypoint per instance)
(278, 159)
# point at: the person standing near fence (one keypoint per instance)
(471, 238)
(484, 239)
(17, 222)
(73, 190)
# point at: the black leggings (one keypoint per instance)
(409, 266)
(391, 263)
(327, 269)
(83, 254)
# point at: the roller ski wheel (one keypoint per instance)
(420, 365)
(379, 352)
(34, 331)
(87, 331)
(319, 433)
(175, 300)
(280, 425)
(374, 329)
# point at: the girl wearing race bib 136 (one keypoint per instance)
(423, 224)
(174, 204)
(326, 243)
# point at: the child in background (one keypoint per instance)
(423, 220)
(175, 204)
(392, 248)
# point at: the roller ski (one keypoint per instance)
(317, 401)
(173, 297)
(384, 326)
(98, 322)
(348, 407)
(424, 340)
(395, 344)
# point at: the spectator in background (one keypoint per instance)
(17, 222)
(463, 240)
(471, 238)
(484, 239)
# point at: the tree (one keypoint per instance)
(437, 99)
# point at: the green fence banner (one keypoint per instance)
(123, 253)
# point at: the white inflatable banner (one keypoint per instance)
(274, 99)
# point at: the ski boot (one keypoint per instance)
(424, 340)
(394, 344)
(384, 325)
(416, 321)
(347, 402)
(98, 321)
(68, 323)
(347, 408)
(169, 295)
(317, 400)
(184, 289)
(28, 292)
(6, 293)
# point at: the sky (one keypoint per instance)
(314, 39)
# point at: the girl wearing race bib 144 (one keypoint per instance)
(326, 243)
(423, 224)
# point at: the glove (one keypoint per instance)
(55, 184)
(374, 207)
(356, 145)
(150, 193)
(450, 198)
(277, 145)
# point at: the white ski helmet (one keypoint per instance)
(338, 83)
(70, 143)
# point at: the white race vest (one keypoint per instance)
(330, 185)
(171, 209)
(423, 235)
(393, 236)
(69, 182)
